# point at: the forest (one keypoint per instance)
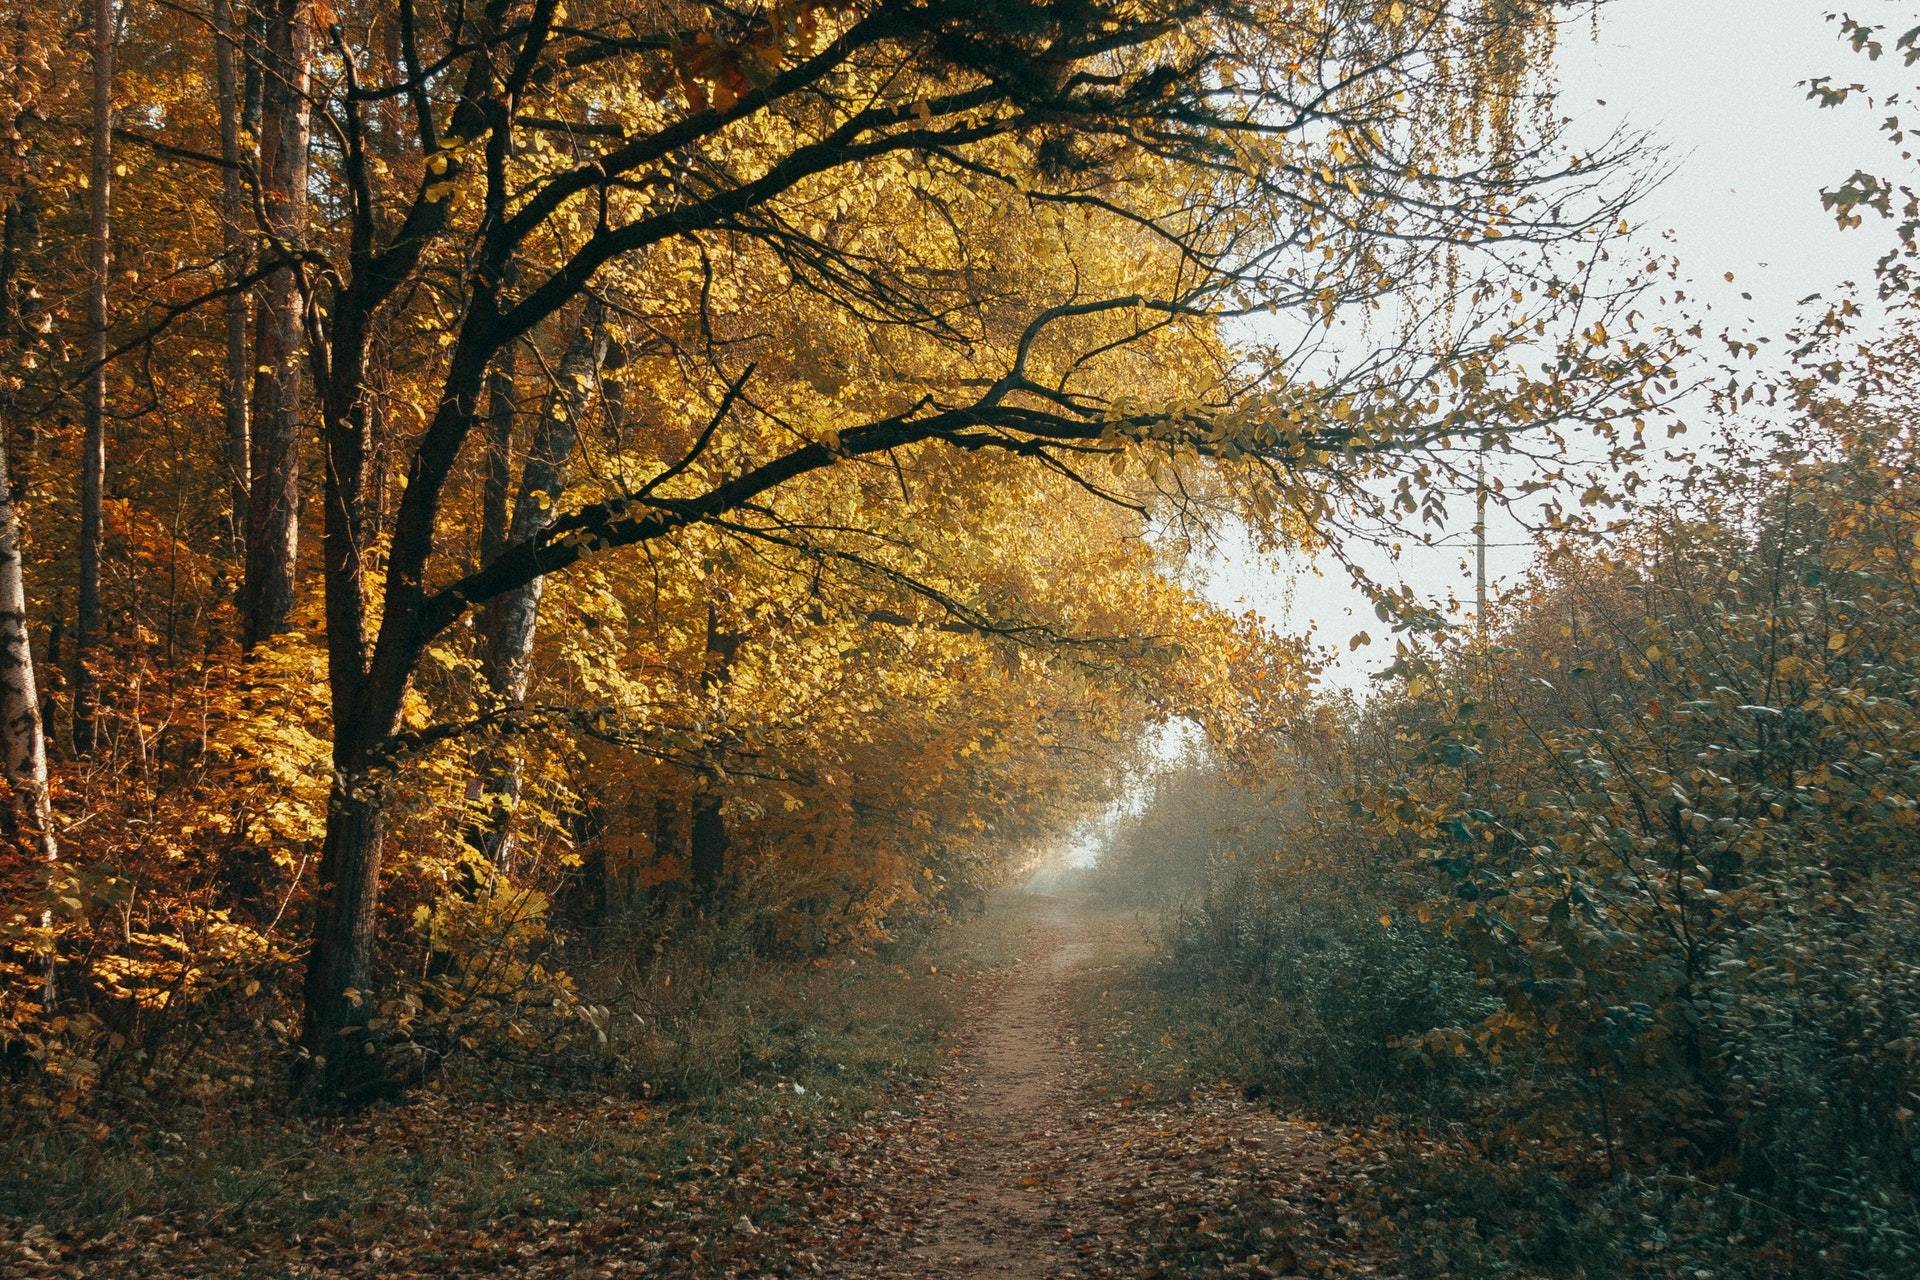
(612, 662)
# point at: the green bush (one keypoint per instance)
(1307, 993)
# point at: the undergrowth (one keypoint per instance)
(1456, 1185)
(712, 1058)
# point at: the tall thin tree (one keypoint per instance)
(28, 815)
(233, 243)
(510, 620)
(93, 450)
(273, 506)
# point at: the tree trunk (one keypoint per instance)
(670, 835)
(252, 38)
(501, 410)
(233, 243)
(20, 232)
(26, 818)
(386, 144)
(93, 450)
(23, 746)
(339, 1061)
(707, 851)
(511, 620)
(273, 510)
(707, 846)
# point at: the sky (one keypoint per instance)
(1719, 85)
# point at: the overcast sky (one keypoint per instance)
(1720, 85)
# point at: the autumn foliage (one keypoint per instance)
(545, 548)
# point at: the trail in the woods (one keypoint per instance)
(1036, 1174)
(994, 1217)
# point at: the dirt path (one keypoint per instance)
(1038, 1175)
(995, 1218)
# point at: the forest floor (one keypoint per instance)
(1010, 1147)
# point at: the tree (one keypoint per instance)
(1264, 150)
(273, 469)
(233, 220)
(29, 814)
(93, 452)
(509, 622)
